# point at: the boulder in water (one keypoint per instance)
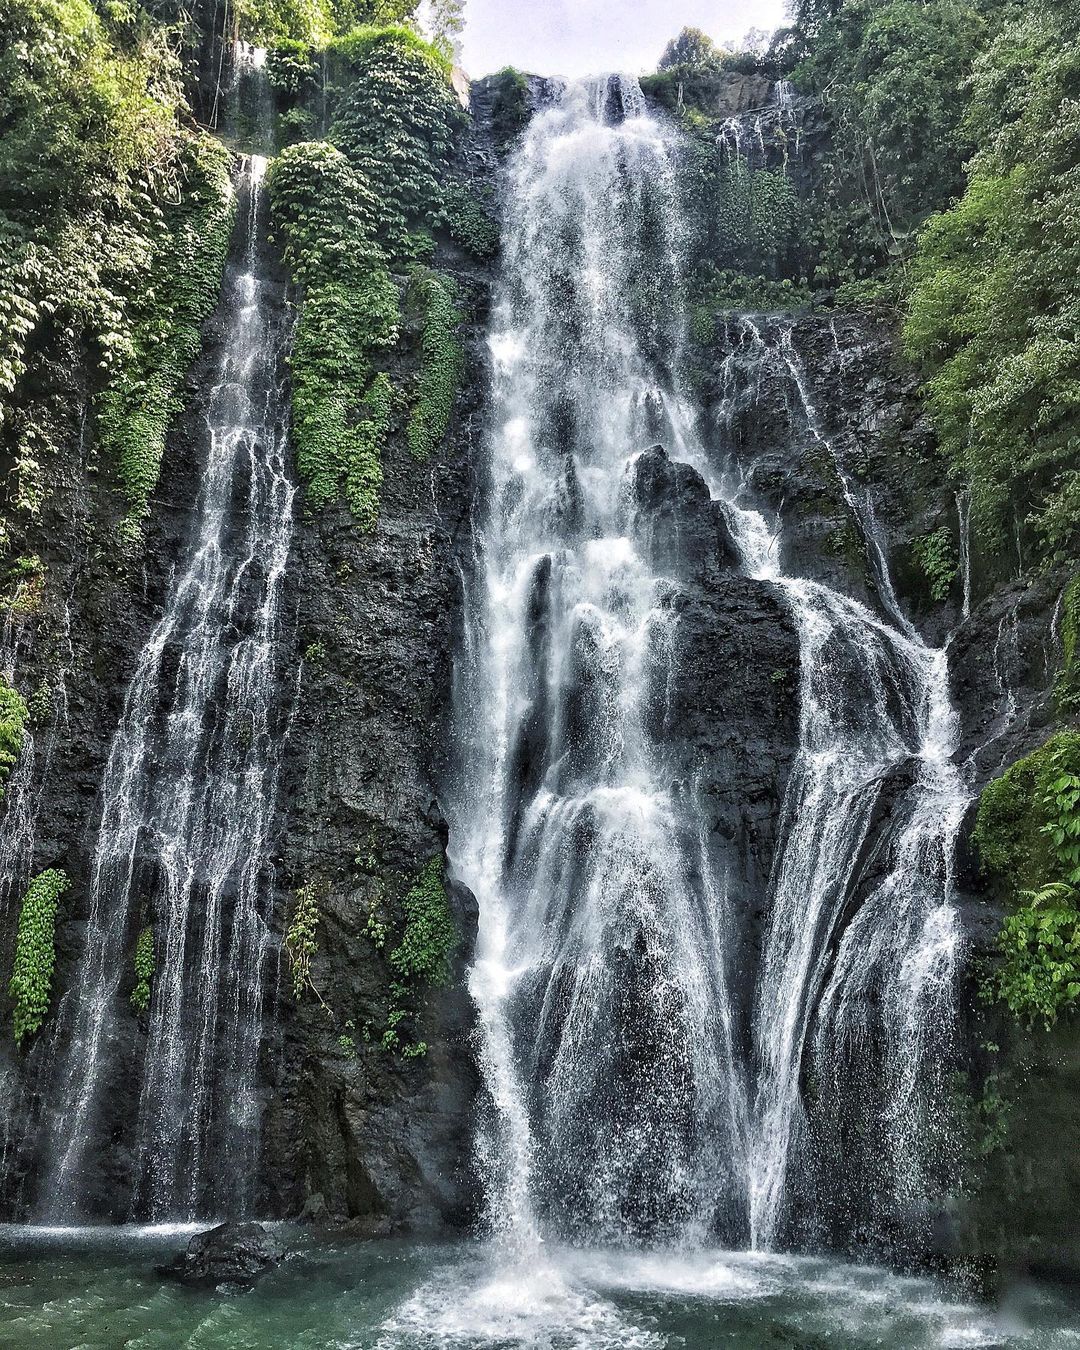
(232, 1254)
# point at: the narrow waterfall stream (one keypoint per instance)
(188, 802)
(628, 1102)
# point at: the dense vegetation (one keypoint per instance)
(356, 213)
(113, 222)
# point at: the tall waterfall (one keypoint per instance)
(630, 1098)
(188, 802)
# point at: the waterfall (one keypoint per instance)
(628, 1100)
(187, 809)
(602, 939)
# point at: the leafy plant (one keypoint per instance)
(936, 555)
(1038, 976)
(300, 941)
(1067, 687)
(349, 312)
(112, 228)
(35, 952)
(470, 221)
(423, 955)
(346, 212)
(420, 958)
(139, 403)
(144, 970)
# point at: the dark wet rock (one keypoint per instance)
(684, 529)
(236, 1254)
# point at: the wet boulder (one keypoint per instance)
(234, 1254)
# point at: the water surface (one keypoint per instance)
(97, 1289)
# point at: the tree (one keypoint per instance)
(692, 48)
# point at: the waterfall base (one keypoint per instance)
(394, 1296)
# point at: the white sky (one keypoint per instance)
(585, 37)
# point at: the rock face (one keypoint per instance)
(233, 1254)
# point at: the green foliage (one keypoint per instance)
(936, 555)
(24, 585)
(300, 943)
(877, 292)
(14, 715)
(315, 21)
(994, 316)
(423, 955)
(744, 222)
(441, 363)
(395, 124)
(420, 959)
(99, 174)
(35, 952)
(144, 970)
(717, 290)
(1010, 833)
(1038, 976)
(892, 74)
(184, 281)
(1028, 837)
(509, 105)
(691, 49)
(470, 221)
(345, 212)
(326, 215)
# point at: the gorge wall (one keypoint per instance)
(368, 1079)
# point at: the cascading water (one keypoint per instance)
(627, 1103)
(601, 974)
(188, 803)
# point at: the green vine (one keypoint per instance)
(145, 966)
(441, 361)
(395, 124)
(345, 211)
(349, 313)
(35, 952)
(14, 715)
(509, 104)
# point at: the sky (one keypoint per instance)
(585, 37)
